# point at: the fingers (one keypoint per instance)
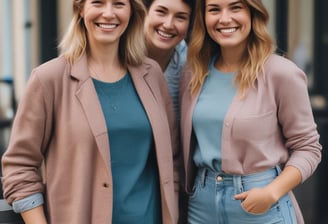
(241, 196)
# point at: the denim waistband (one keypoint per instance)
(206, 174)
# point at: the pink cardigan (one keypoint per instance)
(272, 125)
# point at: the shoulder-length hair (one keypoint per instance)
(259, 47)
(132, 46)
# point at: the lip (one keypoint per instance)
(165, 34)
(107, 26)
(227, 30)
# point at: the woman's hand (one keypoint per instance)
(256, 200)
(260, 200)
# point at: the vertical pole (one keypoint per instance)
(49, 42)
(282, 26)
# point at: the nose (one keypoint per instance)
(225, 17)
(108, 11)
(169, 22)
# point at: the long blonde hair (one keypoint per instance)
(132, 44)
(259, 47)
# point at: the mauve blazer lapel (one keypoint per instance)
(139, 77)
(90, 104)
(188, 103)
(145, 83)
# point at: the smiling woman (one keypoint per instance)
(166, 28)
(238, 170)
(97, 121)
(105, 22)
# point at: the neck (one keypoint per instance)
(229, 61)
(162, 57)
(105, 65)
(225, 65)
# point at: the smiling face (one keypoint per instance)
(105, 20)
(166, 23)
(228, 22)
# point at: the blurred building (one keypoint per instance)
(31, 29)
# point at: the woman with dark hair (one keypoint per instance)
(100, 119)
(248, 133)
(166, 29)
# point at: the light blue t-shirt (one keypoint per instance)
(208, 116)
(173, 72)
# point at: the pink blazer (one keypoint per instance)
(272, 125)
(60, 121)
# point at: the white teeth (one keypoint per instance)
(230, 30)
(107, 26)
(166, 35)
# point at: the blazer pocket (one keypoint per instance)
(258, 127)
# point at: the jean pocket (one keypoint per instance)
(287, 210)
(273, 215)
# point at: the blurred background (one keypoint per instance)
(31, 29)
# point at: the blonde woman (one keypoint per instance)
(100, 118)
(248, 134)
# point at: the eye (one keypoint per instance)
(213, 9)
(160, 11)
(119, 3)
(182, 17)
(236, 7)
(96, 2)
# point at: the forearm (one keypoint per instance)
(34, 216)
(288, 179)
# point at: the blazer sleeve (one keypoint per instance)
(29, 138)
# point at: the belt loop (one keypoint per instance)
(237, 183)
(278, 169)
(203, 177)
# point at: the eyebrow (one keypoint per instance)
(183, 13)
(230, 4)
(178, 12)
(236, 2)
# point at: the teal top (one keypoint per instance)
(133, 161)
(214, 100)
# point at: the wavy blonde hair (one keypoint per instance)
(259, 47)
(132, 44)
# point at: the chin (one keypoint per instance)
(164, 46)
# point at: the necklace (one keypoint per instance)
(110, 93)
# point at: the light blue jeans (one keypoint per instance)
(212, 200)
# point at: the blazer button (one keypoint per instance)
(105, 185)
